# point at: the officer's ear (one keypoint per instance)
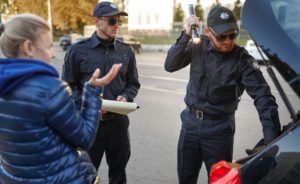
(95, 20)
(207, 31)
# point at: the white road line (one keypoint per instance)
(150, 64)
(289, 93)
(163, 78)
(164, 90)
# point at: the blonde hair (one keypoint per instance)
(18, 29)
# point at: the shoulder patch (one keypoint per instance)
(253, 63)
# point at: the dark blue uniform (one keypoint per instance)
(112, 137)
(216, 83)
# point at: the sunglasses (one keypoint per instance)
(112, 21)
(223, 37)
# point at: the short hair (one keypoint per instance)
(18, 29)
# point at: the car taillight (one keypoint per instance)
(225, 173)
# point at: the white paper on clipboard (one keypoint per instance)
(119, 106)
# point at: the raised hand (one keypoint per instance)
(103, 81)
(189, 22)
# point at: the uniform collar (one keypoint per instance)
(95, 42)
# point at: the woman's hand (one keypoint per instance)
(103, 81)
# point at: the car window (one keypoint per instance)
(287, 15)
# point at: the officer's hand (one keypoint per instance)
(103, 81)
(103, 111)
(121, 98)
(189, 22)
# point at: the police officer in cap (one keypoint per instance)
(102, 50)
(220, 71)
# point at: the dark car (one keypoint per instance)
(65, 42)
(275, 27)
(136, 45)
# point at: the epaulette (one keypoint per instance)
(83, 40)
(121, 42)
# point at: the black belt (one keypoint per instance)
(202, 115)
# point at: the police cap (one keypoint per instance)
(106, 8)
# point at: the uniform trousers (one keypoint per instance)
(112, 139)
(203, 140)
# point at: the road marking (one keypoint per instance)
(164, 90)
(150, 64)
(164, 78)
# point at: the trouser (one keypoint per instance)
(113, 139)
(207, 141)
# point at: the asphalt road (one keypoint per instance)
(155, 127)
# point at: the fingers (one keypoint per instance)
(192, 20)
(103, 111)
(95, 81)
(94, 77)
(121, 98)
(96, 73)
(110, 75)
(189, 22)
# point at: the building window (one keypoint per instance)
(148, 18)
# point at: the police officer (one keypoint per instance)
(220, 71)
(102, 50)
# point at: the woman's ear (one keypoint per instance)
(26, 48)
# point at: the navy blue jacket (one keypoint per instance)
(42, 135)
(218, 80)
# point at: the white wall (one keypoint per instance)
(150, 14)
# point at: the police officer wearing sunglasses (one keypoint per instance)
(220, 71)
(102, 50)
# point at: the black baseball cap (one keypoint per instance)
(106, 8)
(221, 19)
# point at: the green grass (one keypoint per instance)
(166, 40)
(160, 40)
(241, 41)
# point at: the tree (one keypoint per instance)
(38, 7)
(199, 10)
(72, 14)
(178, 13)
(66, 15)
(4, 5)
(217, 3)
(237, 9)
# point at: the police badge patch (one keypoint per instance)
(254, 63)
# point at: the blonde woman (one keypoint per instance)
(42, 134)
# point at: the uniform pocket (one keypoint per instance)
(123, 70)
(222, 88)
(197, 84)
(89, 65)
